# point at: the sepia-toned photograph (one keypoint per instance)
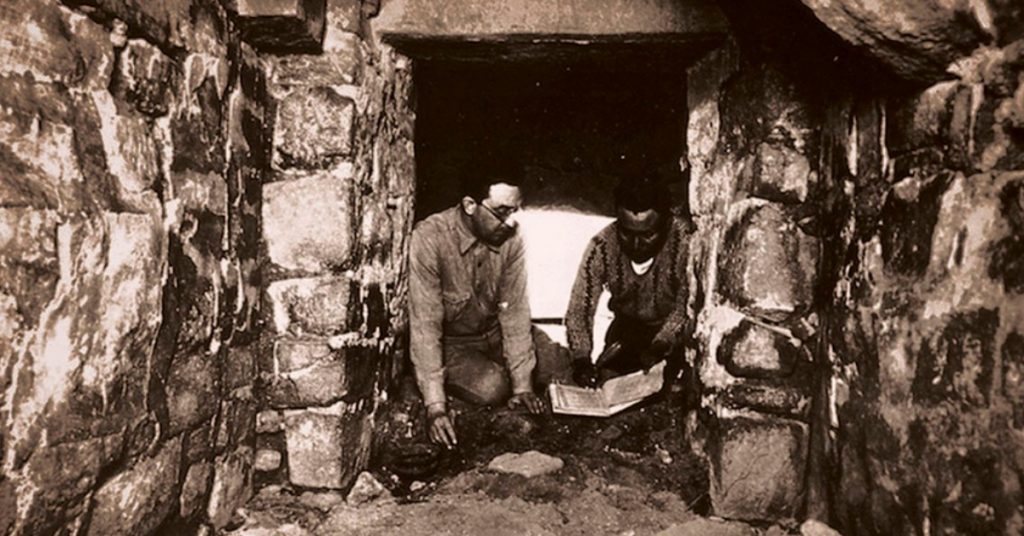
(511, 268)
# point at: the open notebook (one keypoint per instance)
(610, 398)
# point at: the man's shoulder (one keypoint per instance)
(434, 223)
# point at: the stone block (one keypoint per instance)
(318, 306)
(327, 448)
(269, 422)
(132, 155)
(781, 173)
(195, 490)
(166, 22)
(342, 65)
(528, 464)
(345, 374)
(312, 128)
(790, 399)
(49, 51)
(137, 500)
(710, 527)
(766, 264)
(366, 489)
(561, 17)
(342, 16)
(267, 460)
(282, 26)
(144, 78)
(192, 391)
(308, 223)
(89, 354)
(232, 485)
(198, 444)
(751, 351)
(758, 468)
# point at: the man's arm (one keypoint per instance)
(426, 315)
(514, 317)
(678, 325)
(586, 291)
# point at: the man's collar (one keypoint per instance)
(466, 237)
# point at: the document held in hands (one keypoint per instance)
(610, 398)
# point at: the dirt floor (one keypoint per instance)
(630, 474)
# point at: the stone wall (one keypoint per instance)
(849, 174)
(927, 321)
(337, 211)
(751, 139)
(132, 150)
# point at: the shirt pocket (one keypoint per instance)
(455, 304)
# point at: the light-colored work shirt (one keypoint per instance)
(458, 287)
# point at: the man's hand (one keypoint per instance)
(585, 373)
(658, 350)
(441, 429)
(530, 401)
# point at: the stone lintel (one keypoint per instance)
(408, 23)
(282, 25)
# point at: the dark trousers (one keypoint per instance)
(475, 366)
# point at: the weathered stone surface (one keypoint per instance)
(137, 500)
(89, 353)
(757, 468)
(318, 306)
(308, 223)
(49, 52)
(791, 398)
(282, 26)
(166, 22)
(267, 460)
(56, 480)
(327, 448)
(767, 265)
(232, 485)
(269, 421)
(197, 126)
(1013, 375)
(144, 78)
(366, 489)
(240, 367)
(921, 121)
(28, 267)
(752, 351)
(192, 393)
(959, 363)
(533, 17)
(710, 527)
(348, 377)
(916, 40)
(195, 489)
(529, 464)
(312, 128)
(132, 155)
(341, 65)
(908, 219)
(237, 420)
(781, 173)
(813, 527)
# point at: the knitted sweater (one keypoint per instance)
(657, 297)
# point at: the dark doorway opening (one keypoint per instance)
(565, 130)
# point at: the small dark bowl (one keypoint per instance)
(415, 461)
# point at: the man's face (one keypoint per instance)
(641, 234)
(493, 219)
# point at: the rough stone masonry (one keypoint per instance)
(204, 206)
